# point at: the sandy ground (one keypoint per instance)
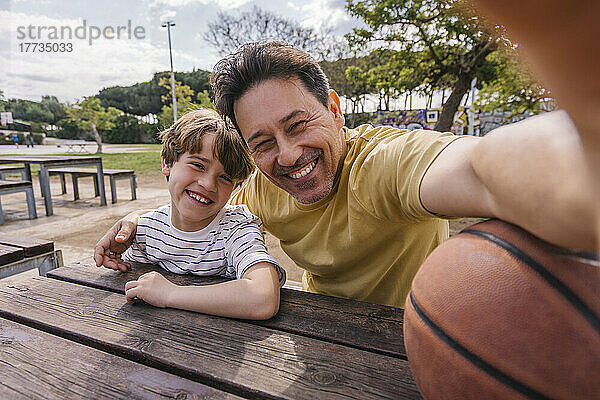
(76, 226)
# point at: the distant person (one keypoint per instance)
(361, 209)
(15, 138)
(29, 140)
(198, 233)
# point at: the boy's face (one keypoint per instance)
(199, 187)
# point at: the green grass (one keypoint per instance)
(141, 163)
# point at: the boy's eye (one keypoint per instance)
(226, 178)
(199, 166)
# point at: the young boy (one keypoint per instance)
(200, 233)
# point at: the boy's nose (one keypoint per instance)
(208, 183)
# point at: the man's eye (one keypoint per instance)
(262, 145)
(298, 124)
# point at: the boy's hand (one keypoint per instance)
(151, 287)
(109, 248)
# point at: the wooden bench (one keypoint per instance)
(7, 187)
(19, 254)
(113, 174)
(12, 170)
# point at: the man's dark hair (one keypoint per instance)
(257, 62)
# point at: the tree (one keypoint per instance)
(228, 32)
(29, 111)
(513, 89)
(449, 37)
(55, 107)
(90, 115)
(183, 95)
(145, 98)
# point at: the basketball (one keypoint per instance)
(495, 313)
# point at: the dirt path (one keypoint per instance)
(76, 226)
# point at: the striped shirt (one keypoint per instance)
(228, 246)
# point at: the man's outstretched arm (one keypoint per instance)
(531, 173)
(119, 237)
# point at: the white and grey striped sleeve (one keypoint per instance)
(137, 251)
(246, 247)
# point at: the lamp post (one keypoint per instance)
(168, 25)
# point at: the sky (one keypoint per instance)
(140, 50)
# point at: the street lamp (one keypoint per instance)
(168, 25)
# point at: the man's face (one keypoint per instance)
(296, 141)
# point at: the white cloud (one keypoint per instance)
(225, 4)
(83, 71)
(168, 16)
(325, 13)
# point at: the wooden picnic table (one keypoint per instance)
(72, 334)
(78, 146)
(46, 162)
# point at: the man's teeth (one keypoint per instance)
(305, 171)
(199, 198)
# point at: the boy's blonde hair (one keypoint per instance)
(186, 136)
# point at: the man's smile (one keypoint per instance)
(305, 170)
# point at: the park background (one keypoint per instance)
(411, 64)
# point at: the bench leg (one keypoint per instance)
(31, 203)
(1, 215)
(63, 183)
(45, 184)
(113, 189)
(96, 191)
(51, 262)
(133, 186)
(74, 178)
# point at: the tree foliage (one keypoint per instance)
(227, 32)
(513, 89)
(90, 115)
(29, 111)
(448, 37)
(146, 97)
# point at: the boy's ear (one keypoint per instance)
(166, 169)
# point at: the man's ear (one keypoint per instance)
(336, 109)
(166, 169)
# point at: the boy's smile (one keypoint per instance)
(199, 187)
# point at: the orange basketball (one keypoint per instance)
(495, 313)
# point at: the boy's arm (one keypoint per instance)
(254, 296)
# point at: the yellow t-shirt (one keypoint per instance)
(368, 237)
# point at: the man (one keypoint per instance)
(361, 209)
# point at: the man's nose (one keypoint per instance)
(289, 152)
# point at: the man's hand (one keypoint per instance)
(152, 287)
(108, 250)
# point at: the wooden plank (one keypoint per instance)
(361, 325)
(14, 184)
(31, 246)
(89, 171)
(37, 365)
(232, 355)
(9, 254)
